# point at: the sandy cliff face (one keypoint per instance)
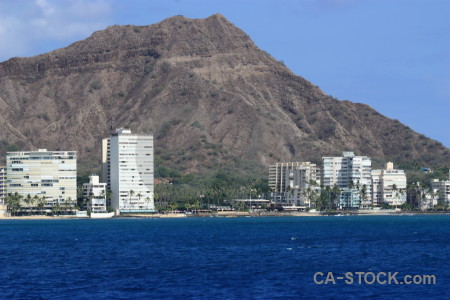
(207, 93)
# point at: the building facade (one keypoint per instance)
(2, 185)
(289, 180)
(94, 193)
(289, 175)
(377, 188)
(106, 170)
(352, 174)
(2, 190)
(421, 197)
(389, 186)
(441, 189)
(392, 186)
(51, 175)
(129, 171)
(349, 198)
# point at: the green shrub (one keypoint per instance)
(95, 85)
(198, 125)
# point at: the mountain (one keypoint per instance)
(211, 98)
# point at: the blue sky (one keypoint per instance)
(393, 55)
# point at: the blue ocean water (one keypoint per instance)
(221, 258)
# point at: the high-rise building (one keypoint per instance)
(288, 180)
(105, 163)
(394, 185)
(388, 186)
(94, 192)
(352, 174)
(290, 175)
(377, 187)
(128, 168)
(442, 189)
(2, 185)
(48, 174)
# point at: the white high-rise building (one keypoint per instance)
(288, 180)
(292, 175)
(95, 194)
(442, 189)
(351, 174)
(2, 185)
(377, 187)
(389, 186)
(129, 171)
(49, 174)
(105, 163)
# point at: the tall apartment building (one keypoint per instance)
(49, 174)
(442, 188)
(127, 162)
(95, 193)
(377, 187)
(2, 190)
(352, 174)
(388, 186)
(2, 185)
(288, 180)
(290, 175)
(105, 163)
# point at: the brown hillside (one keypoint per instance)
(207, 93)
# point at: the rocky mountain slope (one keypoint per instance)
(211, 98)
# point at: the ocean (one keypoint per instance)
(225, 258)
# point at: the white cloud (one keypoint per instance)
(28, 28)
(45, 7)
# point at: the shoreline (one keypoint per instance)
(238, 215)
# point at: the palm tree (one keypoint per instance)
(56, 208)
(139, 195)
(69, 202)
(362, 194)
(8, 200)
(41, 204)
(394, 193)
(66, 205)
(311, 196)
(436, 194)
(28, 201)
(335, 191)
(108, 195)
(35, 200)
(12, 202)
(131, 194)
(147, 200)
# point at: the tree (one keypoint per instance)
(28, 201)
(311, 195)
(362, 190)
(56, 209)
(66, 205)
(109, 195)
(70, 203)
(139, 195)
(394, 192)
(335, 193)
(324, 199)
(41, 203)
(131, 194)
(35, 200)
(147, 200)
(12, 202)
